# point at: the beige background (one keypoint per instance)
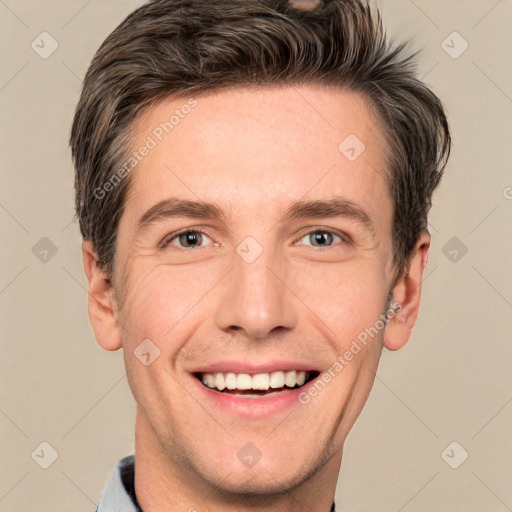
(452, 382)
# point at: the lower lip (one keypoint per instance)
(253, 406)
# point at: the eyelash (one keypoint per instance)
(169, 238)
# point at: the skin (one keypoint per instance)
(253, 152)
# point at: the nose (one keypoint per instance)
(256, 297)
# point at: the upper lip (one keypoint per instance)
(255, 366)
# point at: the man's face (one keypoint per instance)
(257, 291)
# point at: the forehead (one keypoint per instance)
(256, 150)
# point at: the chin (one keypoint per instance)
(266, 479)
(259, 484)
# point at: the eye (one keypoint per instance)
(322, 238)
(192, 238)
(186, 239)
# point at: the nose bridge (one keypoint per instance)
(256, 298)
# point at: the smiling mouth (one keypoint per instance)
(256, 384)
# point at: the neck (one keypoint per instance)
(166, 483)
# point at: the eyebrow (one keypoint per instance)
(302, 209)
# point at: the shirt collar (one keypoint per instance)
(119, 492)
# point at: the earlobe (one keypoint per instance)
(102, 311)
(407, 293)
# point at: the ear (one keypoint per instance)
(102, 312)
(407, 293)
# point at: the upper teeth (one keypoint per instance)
(261, 381)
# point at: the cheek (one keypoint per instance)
(346, 298)
(158, 298)
(158, 307)
(341, 298)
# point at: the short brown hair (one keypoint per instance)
(178, 47)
